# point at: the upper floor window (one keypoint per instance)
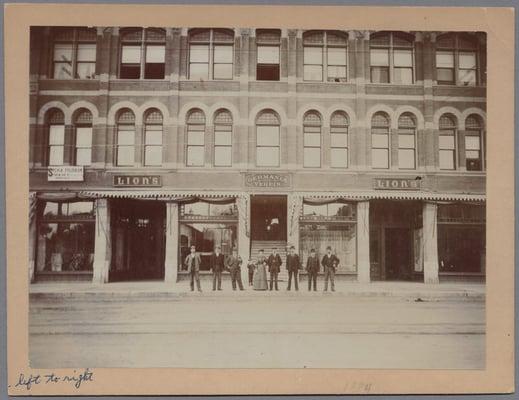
(74, 53)
(391, 58)
(447, 142)
(125, 138)
(142, 53)
(456, 60)
(223, 139)
(339, 140)
(473, 130)
(153, 138)
(195, 138)
(211, 54)
(267, 139)
(268, 45)
(407, 141)
(380, 140)
(312, 140)
(56, 137)
(324, 56)
(83, 137)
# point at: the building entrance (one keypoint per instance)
(137, 240)
(398, 254)
(269, 218)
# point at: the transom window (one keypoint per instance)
(339, 140)
(324, 56)
(473, 143)
(312, 140)
(153, 138)
(447, 142)
(223, 139)
(267, 139)
(125, 138)
(268, 44)
(211, 54)
(392, 58)
(56, 137)
(380, 140)
(142, 53)
(195, 138)
(456, 60)
(83, 128)
(407, 141)
(74, 53)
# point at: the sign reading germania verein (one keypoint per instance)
(137, 180)
(396, 184)
(267, 180)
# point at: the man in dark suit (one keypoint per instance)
(192, 262)
(217, 266)
(274, 262)
(330, 263)
(293, 265)
(233, 264)
(312, 269)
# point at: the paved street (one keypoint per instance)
(256, 329)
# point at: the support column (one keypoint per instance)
(430, 243)
(103, 248)
(363, 262)
(171, 259)
(295, 204)
(243, 204)
(32, 238)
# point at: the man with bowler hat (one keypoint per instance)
(312, 269)
(293, 265)
(217, 264)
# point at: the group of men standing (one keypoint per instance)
(219, 263)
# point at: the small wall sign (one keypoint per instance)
(267, 180)
(396, 184)
(137, 180)
(65, 173)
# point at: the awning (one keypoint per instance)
(393, 195)
(184, 196)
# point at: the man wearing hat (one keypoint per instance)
(274, 262)
(330, 263)
(312, 269)
(233, 264)
(192, 262)
(293, 265)
(217, 266)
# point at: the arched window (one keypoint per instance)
(223, 139)
(447, 142)
(142, 53)
(339, 140)
(125, 138)
(392, 58)
(324, 56)
(74, 53)
(457, 59)
(153, 138)
(380, 141)
(407, 141)
(56, 137)
(473, 146)
(211, 54)
(267, 64)
(312, 140)
(267, 139)
(195, 138)
(83, 129)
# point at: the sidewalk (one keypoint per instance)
(157, 289)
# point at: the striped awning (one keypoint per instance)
(395, 195)
(156, 194)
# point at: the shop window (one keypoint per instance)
(74, 53)
(66, 237)
(211, 53)
(457, 60)
(325, 56)
(153, 138)
(392, 58)
(267, 139)
(56, 137)
(473, 143)
(83, 129)
(312, 140)
(142, 53)
(268, 46)
(380, 141)
(329, 211)
(196, 138)
(407, 141)
(339, 140)
(447, 142)
(223, 139)
(461, 248)
(125, 138)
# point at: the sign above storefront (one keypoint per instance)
(267, 180)
(137, 180)
(65, 173)
(396, 184)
